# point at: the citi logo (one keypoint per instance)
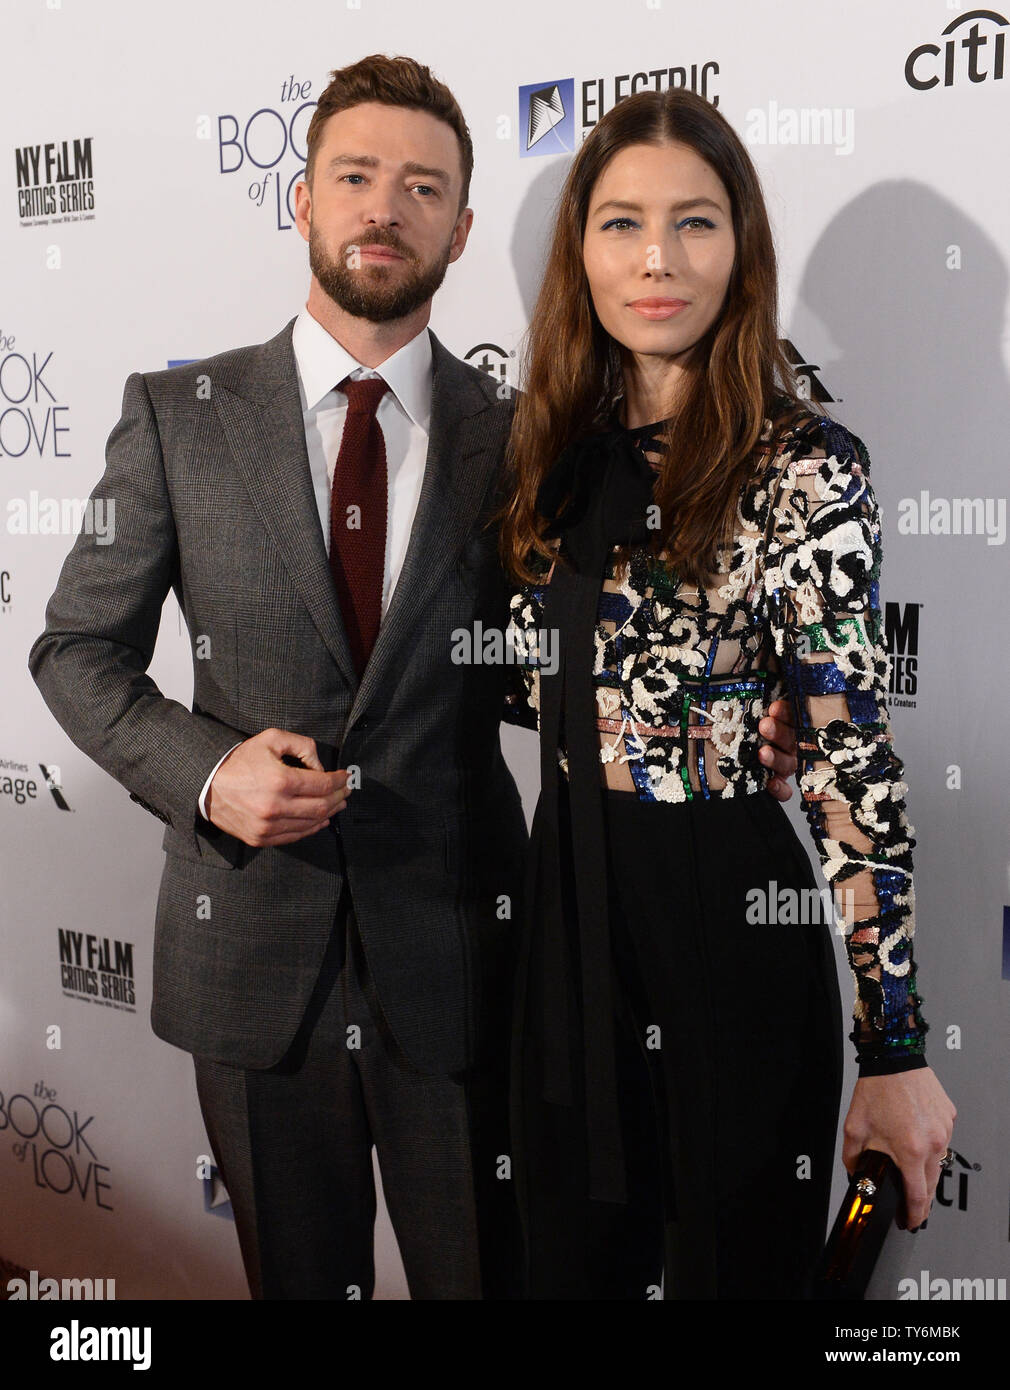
(492, 359)
(952, 1189)
(982, 53)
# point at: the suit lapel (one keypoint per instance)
(261, 414)
(259, 405)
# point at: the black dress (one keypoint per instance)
(677, 1044)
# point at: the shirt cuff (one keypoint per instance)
(202, 802)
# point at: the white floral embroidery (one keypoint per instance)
(807, 597)
(608, 701)
(727, 727)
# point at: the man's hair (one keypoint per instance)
(393, 82)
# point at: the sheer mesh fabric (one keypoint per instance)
(683, 677)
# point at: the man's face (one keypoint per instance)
(381, 217)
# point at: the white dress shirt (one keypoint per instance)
(404, 415)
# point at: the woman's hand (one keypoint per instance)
(909, 1116)
(778, 753)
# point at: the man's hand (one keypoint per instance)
(909, 1116)
(779, 753)
(261, 800)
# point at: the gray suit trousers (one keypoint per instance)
(294, 1147)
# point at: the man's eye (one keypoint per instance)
(426, 186)
(351, 176)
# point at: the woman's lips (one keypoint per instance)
(657, 308)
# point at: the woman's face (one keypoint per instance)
(658, 248)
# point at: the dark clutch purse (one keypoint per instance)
(874, 1197)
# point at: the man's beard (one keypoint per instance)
(369, 296)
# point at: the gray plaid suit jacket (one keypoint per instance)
(214, 499)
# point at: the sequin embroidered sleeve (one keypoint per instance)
(821, 577)
(522, 702)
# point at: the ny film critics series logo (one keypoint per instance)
(55, 182)
(97, 969)
(548, 110)
(267, 149)
(901, 628)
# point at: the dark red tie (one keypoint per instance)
(358, 517)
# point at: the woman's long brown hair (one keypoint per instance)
(572, 375)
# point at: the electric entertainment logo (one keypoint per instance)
(55, 182)
(983, 53)
(901, 625)
(547, 118)
(548, 110)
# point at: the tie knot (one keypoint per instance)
(363, 396)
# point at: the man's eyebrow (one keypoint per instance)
(674, 207)
(369, 161)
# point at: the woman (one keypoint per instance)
(695, 541)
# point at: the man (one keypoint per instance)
(344, 841)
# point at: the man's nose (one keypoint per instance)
(385, 207)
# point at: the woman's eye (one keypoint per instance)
(614, 221)
(697, 222)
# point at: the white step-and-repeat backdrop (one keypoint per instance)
(150, 154)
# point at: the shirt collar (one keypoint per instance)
(322, 362)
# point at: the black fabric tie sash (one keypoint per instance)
(597, 494)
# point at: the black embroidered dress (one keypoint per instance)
(677, 1053)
